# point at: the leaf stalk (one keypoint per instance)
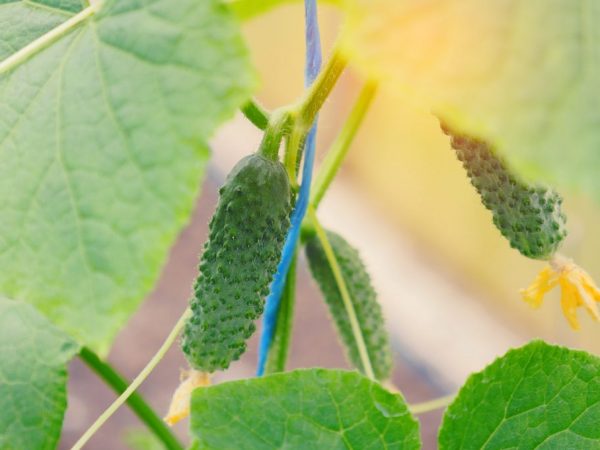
(341, 145)
(136, 402)
(135, 383)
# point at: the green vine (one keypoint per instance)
(135, 401)
(274, 132)
(135, 383)
(314, 97)
(341, 145)
(256, 114)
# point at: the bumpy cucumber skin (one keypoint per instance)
(364, 299)
(240, 258)
(529, 217)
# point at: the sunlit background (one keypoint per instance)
(449, 283)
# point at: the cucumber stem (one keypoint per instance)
(256, 114)
(299, 118)
(276, 129)
(136, 402)
(339, 149)
(341, 283)
(317, 93)
(158, 356)
(292, 150)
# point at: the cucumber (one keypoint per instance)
(364, 300)
(530, 217)
(240, 258)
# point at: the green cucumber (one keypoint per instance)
(530, 217)
(239, 261)
(364, 300)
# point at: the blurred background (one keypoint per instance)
(448, 282)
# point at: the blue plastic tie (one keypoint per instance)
(312, 68)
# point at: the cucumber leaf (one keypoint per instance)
(302, 410)
(103, 146)
(537, 396)
(33, 377)
(522, 75)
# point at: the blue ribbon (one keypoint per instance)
(312, 68)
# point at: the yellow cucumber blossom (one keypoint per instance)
(180, 403)
(577, 289)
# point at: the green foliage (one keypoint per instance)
(240, 258)
(364, 299)
(105, 115)
(302, 410)
(537, 396)
(529, 217)
(103, 148)
(33, 377)
(530, 91)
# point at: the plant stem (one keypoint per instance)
(136, 402)
(292, 150)
(431, 405)
(339, 149)
(315, 96)
(269, 147)
(135, 383)
(33, 47)
(279, 349)
(256, 114)
(341, 283)
(303, 114)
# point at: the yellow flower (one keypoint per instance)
(577, 289)
(180, 403)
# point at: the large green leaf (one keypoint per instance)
(538, 396)
(33, 377)
(102, 150)
(521, 74)
(302, 410)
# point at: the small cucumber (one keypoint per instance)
(240, 258)
(363, 297)
(529, 217)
